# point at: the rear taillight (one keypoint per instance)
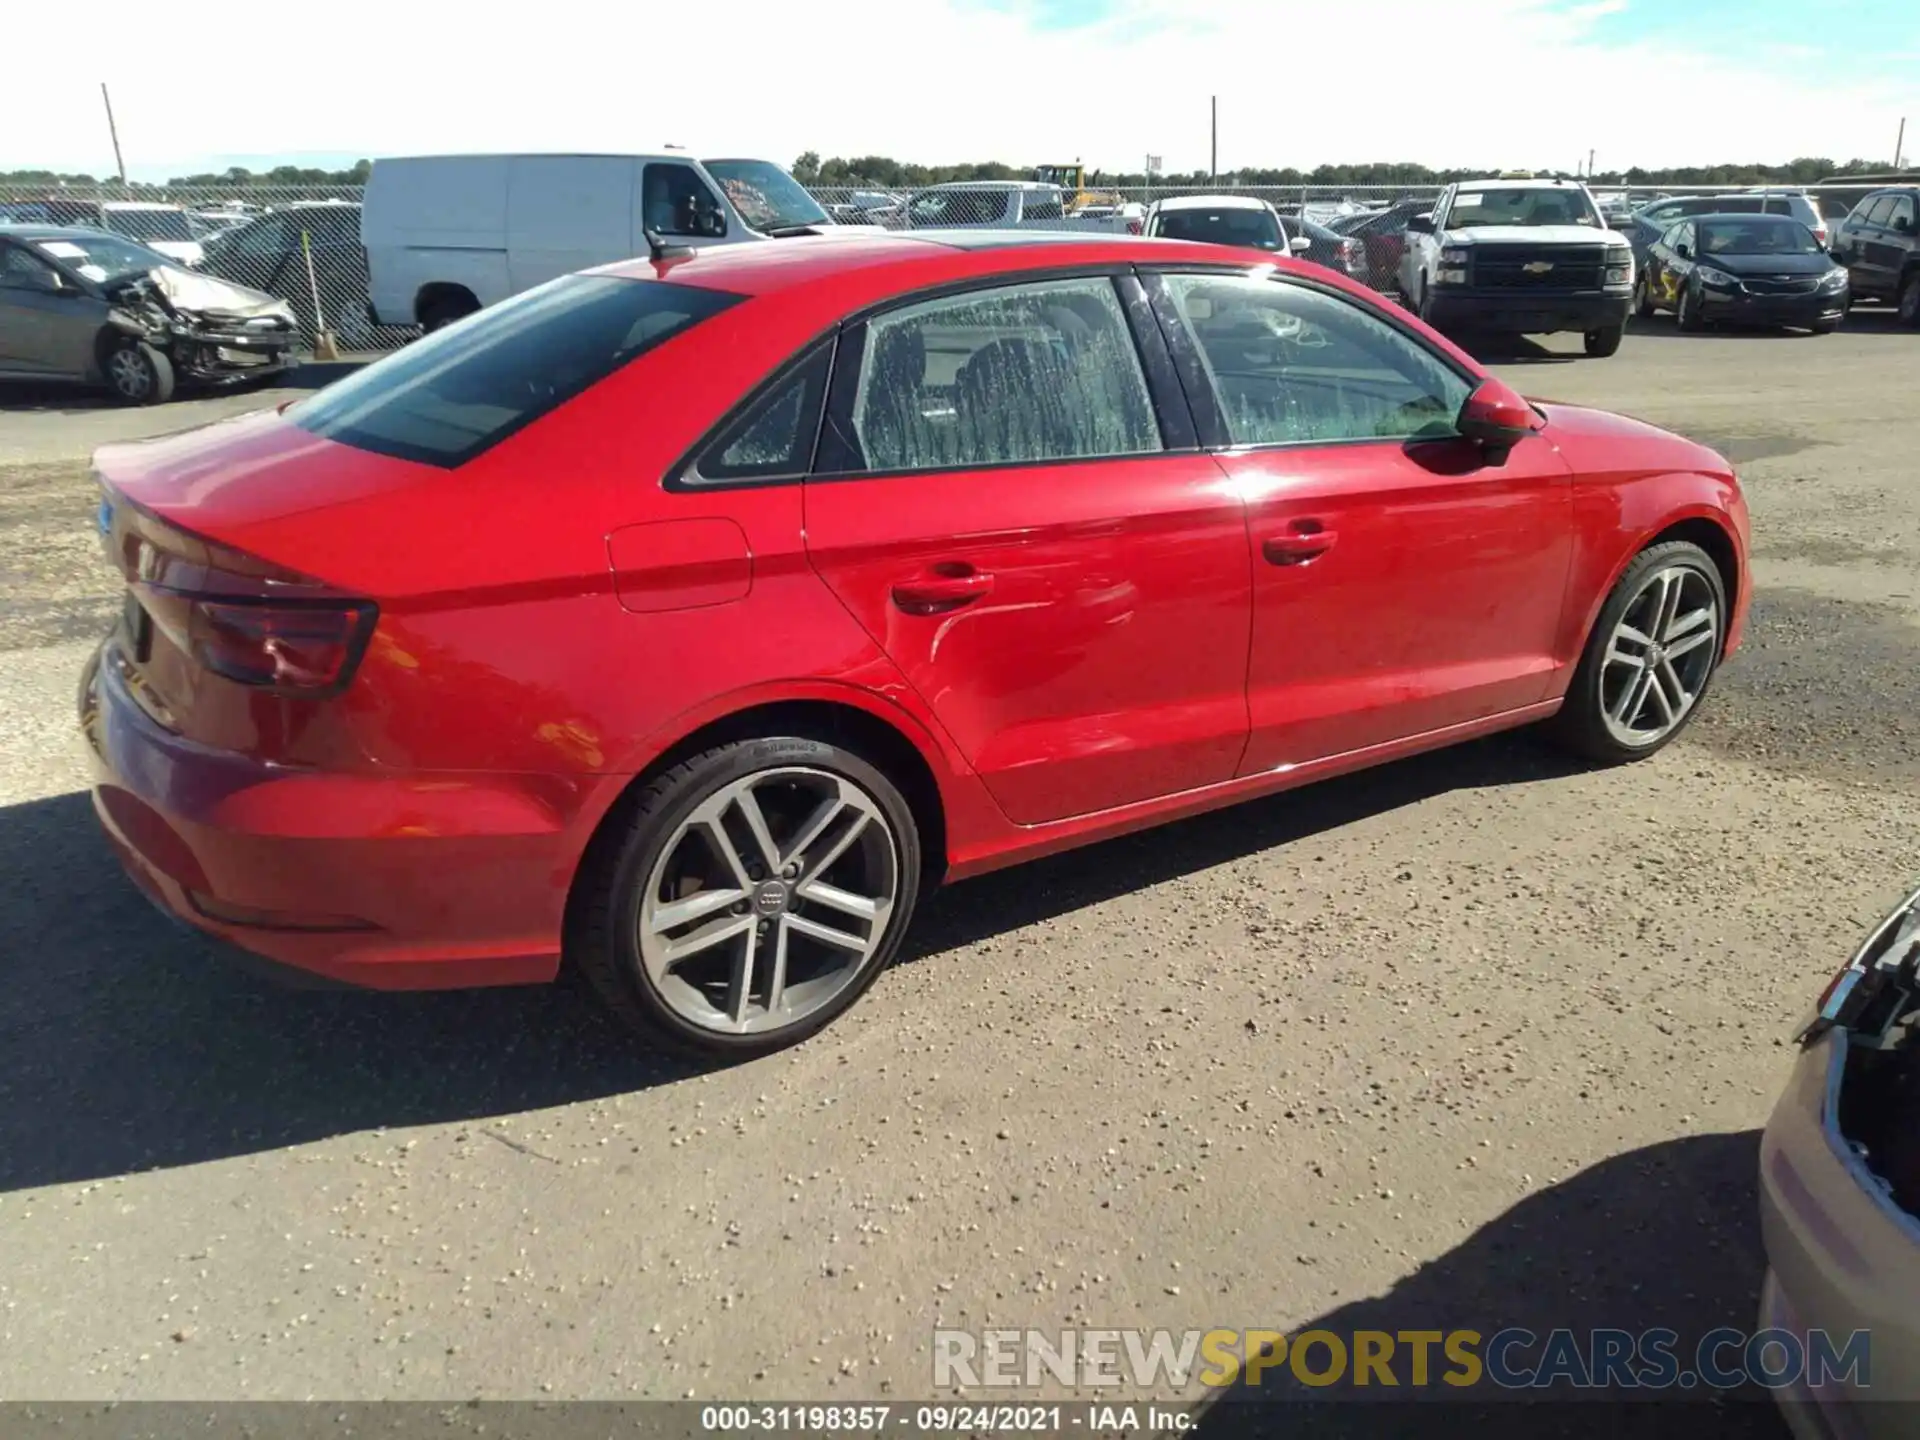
(1353, 255)
(1134, 227)
(305, 650)
(245, 619)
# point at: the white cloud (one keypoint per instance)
(1506, 82)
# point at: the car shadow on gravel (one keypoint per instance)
(127, 1044)
(1007, 900)
(1666, 1236)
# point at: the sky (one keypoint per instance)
(1529, 84)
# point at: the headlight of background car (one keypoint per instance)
(1619, 266)
(1717, 279)
(1835, 279)
(1453, 266)
(1851, 991)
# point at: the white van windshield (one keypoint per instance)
(767, 197)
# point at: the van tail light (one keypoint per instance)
(1134, 227)
(1353, 257)
(308, 650)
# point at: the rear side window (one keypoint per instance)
(1880, 212)
(462, 390)
(1020, 375)
(773, 439)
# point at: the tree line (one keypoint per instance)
(882, 173)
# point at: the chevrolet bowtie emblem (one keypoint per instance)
(1537, 267)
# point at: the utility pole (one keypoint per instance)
(1900, 143)
(114, 131)
(1589, 164)
(1213, 160)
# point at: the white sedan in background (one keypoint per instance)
(166, 228)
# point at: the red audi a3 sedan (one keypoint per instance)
(689, 618)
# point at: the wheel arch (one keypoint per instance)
(1700, 526)
(854, 720)
(435, 291)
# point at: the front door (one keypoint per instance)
(1401, 585)
(48, 324)
(1000, 509)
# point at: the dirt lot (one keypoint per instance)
(1476, 1039)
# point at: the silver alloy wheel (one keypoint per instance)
(1659, 656)
(769, 900)
(127, 370)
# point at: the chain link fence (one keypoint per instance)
(302, 243)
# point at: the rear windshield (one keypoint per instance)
(1256, 228)
(154, 224)
(446, 398)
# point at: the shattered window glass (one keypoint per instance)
(1023, 374)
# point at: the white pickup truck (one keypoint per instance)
(1519, 257)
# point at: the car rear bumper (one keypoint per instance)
(1841, 1259)
(1803, 311)
(1515, 313)
(388, 881)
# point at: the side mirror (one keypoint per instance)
(48, 282)
(1683, 250)
(1421, 224)
(1299, 245)
(1903, 224)
(1496, 418)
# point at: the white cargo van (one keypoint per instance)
(447, 234)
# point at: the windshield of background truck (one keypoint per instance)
(767, 197)
(1522, 207)
(1254, 228)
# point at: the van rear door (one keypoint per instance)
(567, 213)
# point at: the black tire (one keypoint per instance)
(603, 914)
(442, 312)
(1686, 313)
(138, 374)
(1580, 726)
(1910, 301)
(1643, 305)
(1604, 341)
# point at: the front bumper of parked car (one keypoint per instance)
(1503, 311)
(1743, 307)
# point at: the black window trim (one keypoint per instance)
(1209, 420)
(684, 476)
(838, 443)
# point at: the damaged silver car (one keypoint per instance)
(1840, 1195)
(97, 309)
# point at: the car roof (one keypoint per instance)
(1211, 202)
(775, 265)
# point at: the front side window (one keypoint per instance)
(1255, 229)
(1025, 374)
(674, 200)
(459, 391)
(265, 238)
(1293, 365)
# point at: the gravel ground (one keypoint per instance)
(1473, 1039)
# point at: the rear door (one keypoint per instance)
(1401, 585)
(566, 213)
(1868, 244)
(1891, 243)
(1024, 523)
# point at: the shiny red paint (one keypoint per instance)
(1072, 651)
